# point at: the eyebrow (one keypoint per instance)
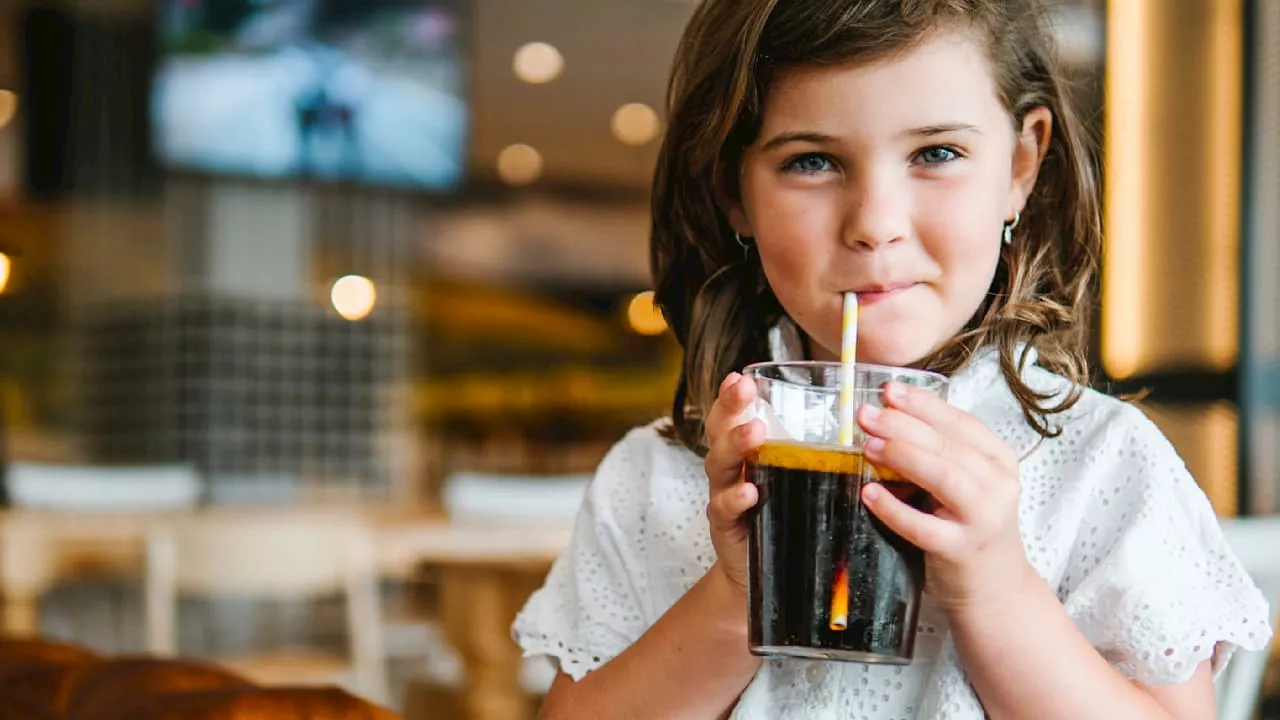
(941, 129)
(817, 138)
(793, 137)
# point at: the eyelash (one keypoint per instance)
(955, 154)
(793, 165)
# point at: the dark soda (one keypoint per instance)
(827, 579)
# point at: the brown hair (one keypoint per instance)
(715, 296)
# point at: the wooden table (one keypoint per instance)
(486, 569)
(486, 572)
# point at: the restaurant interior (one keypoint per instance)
(317, 316)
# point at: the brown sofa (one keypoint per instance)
(48, 680)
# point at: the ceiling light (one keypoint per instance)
(635, 124)
(538, 63)
(519, 165)
(353, 296)
(644, 317)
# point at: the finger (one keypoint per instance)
(954, 480)
(930, 533)
(959, 427)
(894, 424)
(717, 410)
(724, 461)
(731, 406)
(726, 507)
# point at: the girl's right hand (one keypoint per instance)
(731, 437)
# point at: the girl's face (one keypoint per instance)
(893, 180)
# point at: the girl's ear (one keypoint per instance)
(728, 193)
(1030, 146)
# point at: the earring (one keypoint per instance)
(744, 243)
(1007, 237)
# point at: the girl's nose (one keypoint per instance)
(877, 215)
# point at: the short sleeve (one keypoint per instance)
(1151, 581)
(590, 607)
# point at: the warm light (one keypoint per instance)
(5, 265)
(1124, 290)
(635, 124)
(1155, 313)
(519, 164)
(8, 106)
(643, 316)
(353, 296)
(538, 62)
(1222, 149)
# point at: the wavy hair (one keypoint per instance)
(716, 298)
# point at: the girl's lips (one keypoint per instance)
(875, 296)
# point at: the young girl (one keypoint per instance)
(922, 154)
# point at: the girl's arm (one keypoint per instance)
(1026, 659)
(693, 663)
(1020, 647)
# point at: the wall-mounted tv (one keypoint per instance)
(367, 91)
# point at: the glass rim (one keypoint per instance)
(889, 369)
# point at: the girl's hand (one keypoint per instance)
(731, 439)
(973, 549)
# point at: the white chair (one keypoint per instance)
(95, 611)
(280, 555)
(1255, 542)
(103, 488)
(485, 500)
(485, 497)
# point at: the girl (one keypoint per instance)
(922, 154)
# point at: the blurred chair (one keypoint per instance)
(102, 609)
(28, 570)
(537, 499)
(102, 488)
(284, 555)
(36, 675)
(1254, 541)
(484, 499)
(476, 496)
(42, 688)
(12, 708)
(279, 703)
(116, 686)
(20, 652)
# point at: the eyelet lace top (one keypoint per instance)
(1109, 515)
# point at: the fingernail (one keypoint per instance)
(895, 391)
(873, 445)
(870, 412)
(871, 492)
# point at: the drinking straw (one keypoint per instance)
(848, 359)
(848, 356)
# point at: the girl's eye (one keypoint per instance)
(808, 164)
(937, 155)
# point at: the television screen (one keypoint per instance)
(347, 90)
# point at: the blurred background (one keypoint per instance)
(381, 266)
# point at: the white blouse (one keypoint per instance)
(1109, 515)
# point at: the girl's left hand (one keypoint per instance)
(973, 549)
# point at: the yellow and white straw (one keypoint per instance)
(839, 616)
(848, 356)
